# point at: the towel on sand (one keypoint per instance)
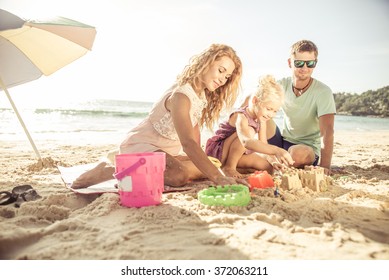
(69, 174)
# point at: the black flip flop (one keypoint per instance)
(26, 192)
(7, 198)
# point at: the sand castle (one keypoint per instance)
(312, 177)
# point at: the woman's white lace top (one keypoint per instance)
(161, 119)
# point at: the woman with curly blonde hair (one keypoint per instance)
(241, 141)
(208, 84)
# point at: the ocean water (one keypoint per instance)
(108, 121)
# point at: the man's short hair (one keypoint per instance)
(304, 46)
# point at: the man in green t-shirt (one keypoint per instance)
(308, 112)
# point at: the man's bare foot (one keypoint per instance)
(230, 172)
(102, 172)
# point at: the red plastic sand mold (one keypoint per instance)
(260, 180)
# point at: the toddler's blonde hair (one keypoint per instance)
(269, 90)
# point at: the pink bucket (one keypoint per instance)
(140, 178)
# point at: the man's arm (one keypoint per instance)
(326, 123)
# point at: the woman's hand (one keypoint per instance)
(224, 180)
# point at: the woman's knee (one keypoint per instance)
(178, 178)
(176, 174)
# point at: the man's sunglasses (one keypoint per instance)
(309, 63)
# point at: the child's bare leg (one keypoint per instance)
(100, 173)
(232, 152)
(255, 161)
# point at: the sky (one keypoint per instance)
(142, 45)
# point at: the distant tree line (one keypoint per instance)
(369, 103)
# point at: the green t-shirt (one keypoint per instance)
(301, 114)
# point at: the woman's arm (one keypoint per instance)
(179, 106)
(197, 134)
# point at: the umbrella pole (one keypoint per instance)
(21, 120)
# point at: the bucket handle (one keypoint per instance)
(120, 175)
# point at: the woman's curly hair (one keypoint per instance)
(223, 97)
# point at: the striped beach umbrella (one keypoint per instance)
(32, 48)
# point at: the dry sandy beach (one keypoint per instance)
(349, 221)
